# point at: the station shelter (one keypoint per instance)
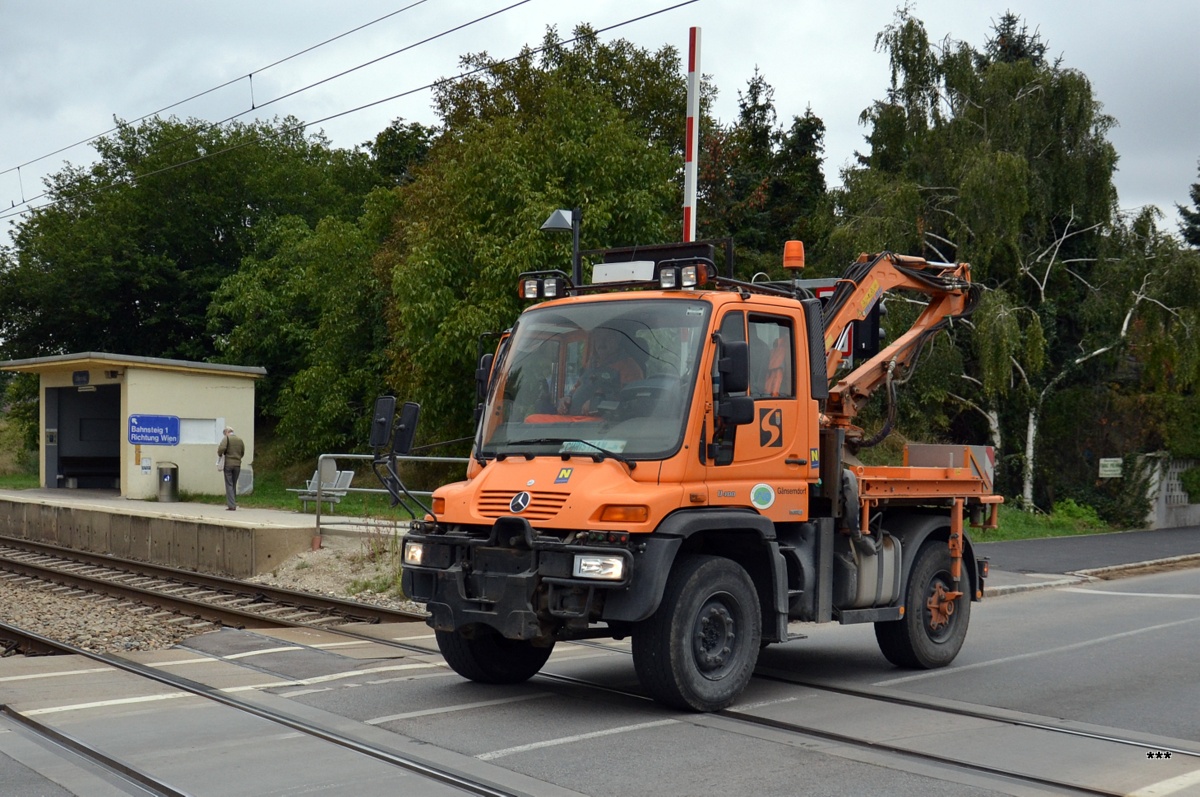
(120, 422)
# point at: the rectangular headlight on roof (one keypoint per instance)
(688, 277)
(529, 288)
(666, 278)
(601, 568)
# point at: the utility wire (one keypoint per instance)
(253, 107)
(218, 87)
(304, 125)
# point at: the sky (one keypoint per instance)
(68, 67)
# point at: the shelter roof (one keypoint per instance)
(100, 360)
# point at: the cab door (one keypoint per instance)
(773, 456)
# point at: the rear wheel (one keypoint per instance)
(698, 650)
(936, 614)
(481, 654)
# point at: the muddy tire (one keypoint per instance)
(698, 650)
(934, 627)
(488, 658)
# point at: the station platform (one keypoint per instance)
(203, 537)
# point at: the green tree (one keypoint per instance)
(399, 148)
(590, 125)
(128, 253)
(308, 304)
(1000, 158)
(1190, 226)
(759, 183)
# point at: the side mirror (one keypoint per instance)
(483, 374)
(406, 430)
(736, 410)
(381, 421)
(734, 367)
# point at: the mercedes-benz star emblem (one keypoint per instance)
(519, 502)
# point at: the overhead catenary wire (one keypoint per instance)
(218, 87)
(253, 107)
(132, 179)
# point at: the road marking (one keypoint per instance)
(230, 690)
(1130, 594)
(447, 709)
(35, 676)
(492, 756)
(202, 660)
(263, 652)
(1170, 786)
(941, 673)
(337, 676)
(105, 703)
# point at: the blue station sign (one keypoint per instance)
(154, 430)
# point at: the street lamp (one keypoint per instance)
(568, 221)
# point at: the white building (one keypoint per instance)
(120, 422)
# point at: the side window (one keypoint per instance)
(772, 357)
(733, 326)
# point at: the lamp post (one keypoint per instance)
(568, 221)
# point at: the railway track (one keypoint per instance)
(92, 754)
(94, 751)
(223, 601)
(302, 609)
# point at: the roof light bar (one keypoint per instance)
(543, 285)
(675, 276)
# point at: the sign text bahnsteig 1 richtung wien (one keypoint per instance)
(154, 430)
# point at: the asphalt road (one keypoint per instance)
(1123, 653)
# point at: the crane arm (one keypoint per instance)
(952, 295)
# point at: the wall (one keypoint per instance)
(1170, 508)
(205, 404)
(190, 543)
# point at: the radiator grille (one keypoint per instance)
(543, 506)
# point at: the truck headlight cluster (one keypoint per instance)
(542, 287)
(671, 277)
(414, 553)
(601, 568)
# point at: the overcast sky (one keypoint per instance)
(68, 67)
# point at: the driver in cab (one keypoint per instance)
(609, 367)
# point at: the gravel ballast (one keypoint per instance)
(360, 568)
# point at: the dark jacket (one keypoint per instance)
(233, 449)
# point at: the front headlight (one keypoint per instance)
(604, 568)
(414, 553)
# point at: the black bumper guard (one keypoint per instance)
(511, 612)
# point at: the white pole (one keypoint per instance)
(692, 142)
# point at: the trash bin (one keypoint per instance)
(168, 482)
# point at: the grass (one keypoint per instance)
(1068, 519)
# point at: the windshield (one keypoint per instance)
(596, 379)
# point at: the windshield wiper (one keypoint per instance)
(599, 456)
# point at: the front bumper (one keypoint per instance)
(514, 580)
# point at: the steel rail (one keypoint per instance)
(28, 642)
(1061, 787)
(436, 772)
(224, 589)
(93, 754)
(1047, 724)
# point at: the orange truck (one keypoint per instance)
(666, 454)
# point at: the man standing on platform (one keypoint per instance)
(232, 449)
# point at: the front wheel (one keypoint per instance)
(698, 650)
(936, 614)
(481, 654)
